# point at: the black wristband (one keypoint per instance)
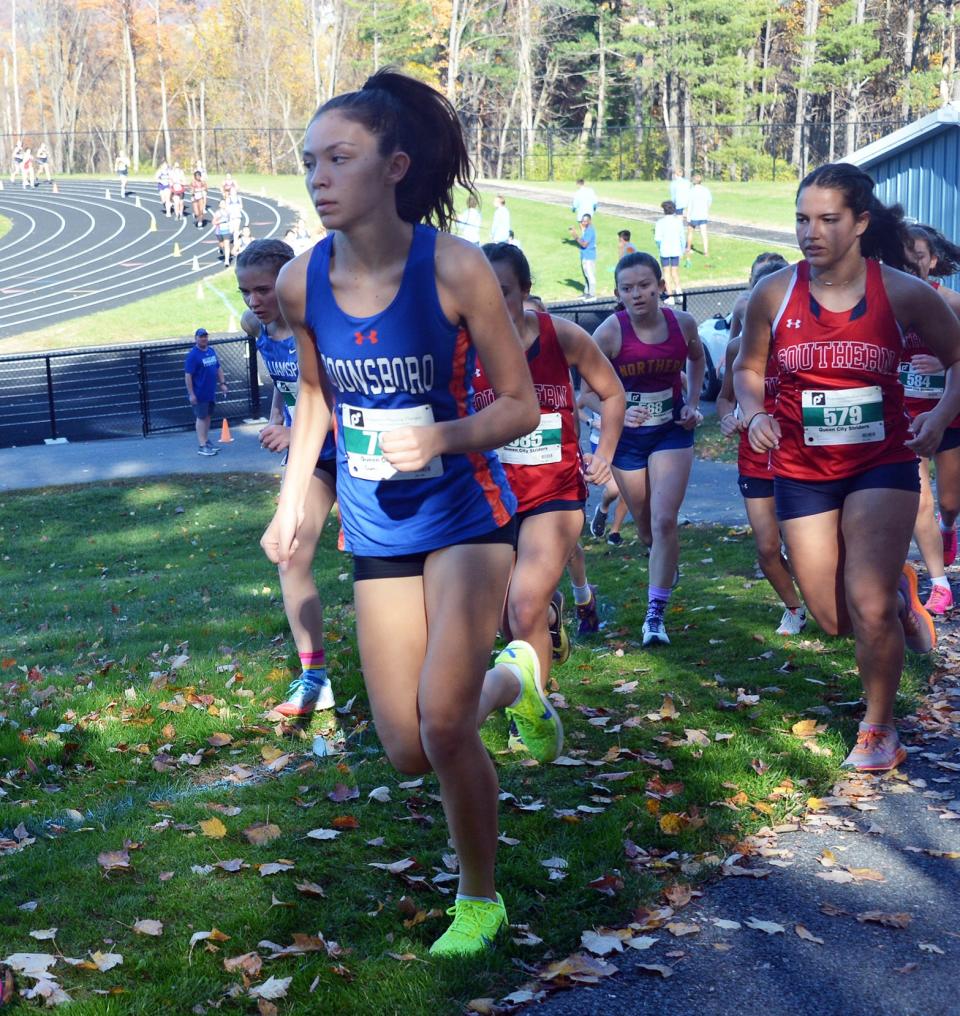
(762, 412)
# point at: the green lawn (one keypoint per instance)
(757, 203)
(143, 639)
(5, 225)
(541, 229)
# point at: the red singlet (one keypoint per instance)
(756, 465)
(544, 465)
(921, 391)
(839, 398)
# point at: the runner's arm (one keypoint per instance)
(750, 365)
(726, 400)
(690, 415)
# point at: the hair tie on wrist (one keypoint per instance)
(762, 412)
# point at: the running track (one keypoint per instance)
(77, 252)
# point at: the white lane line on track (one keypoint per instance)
(18, 237)
(17, 254)
(69, 308)
(44, 262)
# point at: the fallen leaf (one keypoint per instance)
(642, 942)
(213, 828)
(681, 928)
(807, 728)
(260, 834)
(250, 963)
(273, 867)
(44, 934)
(866, 874)
(396, 867)
(149, 927)
(310, 889)
(219, 740)
(346, 822)
(770, 927)
(673, 823)
(105, 961)
(114, 860)
(887, 920)
(323, 834)
(578, 966)
(214, 935)
(726, 925)
(930, 948)
(806, 935)
(840, 877)
(907, 968)
(656, 968)
(234, 864)
(273, 987)
(601, 945)
(678, 895)
(341, 792)
(381, 794)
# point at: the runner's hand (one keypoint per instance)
(927, 436)
(597, 469)
(635, 416)
(279, 540)
(923, 364)
(275, 437)
(408, 449)
(764, 433)
(730, 424)
(690, 418)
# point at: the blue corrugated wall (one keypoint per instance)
(925, 178)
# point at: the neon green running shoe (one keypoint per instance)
(537, 722)
(474, 928)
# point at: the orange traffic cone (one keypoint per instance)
(225, 437)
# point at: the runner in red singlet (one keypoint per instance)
(929, 253)
(844, 452)
(545, 470)
(756, 473)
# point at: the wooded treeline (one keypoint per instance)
(603, 87)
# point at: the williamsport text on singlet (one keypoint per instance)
(382, 375)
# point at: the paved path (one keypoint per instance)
(644, 213)
(79, 250)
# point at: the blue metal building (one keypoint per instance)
(918, 167)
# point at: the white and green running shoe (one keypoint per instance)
(537, 722)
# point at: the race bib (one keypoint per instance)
(850, 416)
(658, 404)
(922, 386)
(361, 438)
(288, 391)
(537, 448)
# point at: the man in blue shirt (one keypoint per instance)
(587, 242)
(203, 376)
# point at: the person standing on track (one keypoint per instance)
(755, 472)
(203, 376)
(389, 316)
(27, 171)
(649, 346)
(177, 187)
(17, 161)
(545, 470)
(121, 166)
(930, 253)
(223, 232)
(257, 269)
(843, 450)
(43, 164)
(163, 187)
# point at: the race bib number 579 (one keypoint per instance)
(849, 416)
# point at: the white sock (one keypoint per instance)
(940, 581)
(515, 670)
(581, 595)
(476, 899)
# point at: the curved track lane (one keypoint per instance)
(78, 251)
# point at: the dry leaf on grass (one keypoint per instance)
(656, 968)
(273, 987)
(114, 860)
(149, 927)
(260, 834)
(250, 963)
(213, 828)
(770, 927)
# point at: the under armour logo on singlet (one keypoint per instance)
(361, 338)
(792, 322)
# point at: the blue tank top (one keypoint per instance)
(280, 358)
(405, 366)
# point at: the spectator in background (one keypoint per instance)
(624, 244)
(586, 240)
(670, 237)
(698, 213)
(203, 375)
(500, 227)
(584, 201)
(468, 222)
(679, 191)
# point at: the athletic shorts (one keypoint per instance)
(161, 187)
(755, 486)
(670, 262)
(225, 236)
(405, 566)
(123, 172)
(796, 499)
(201, 410)
(637, 444)
(950, 440)
(556, 505)
(696, 223)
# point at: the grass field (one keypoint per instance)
(757, 203)
(143, 642)
(5, 225)
(541, 229)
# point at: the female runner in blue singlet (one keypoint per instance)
(389, 317)
(257, 269)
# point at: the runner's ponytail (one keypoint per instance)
(409, 116)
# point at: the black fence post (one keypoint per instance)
(253, 379)
(51, 404)
(144, 400)
(620, 154)
(549, 153)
